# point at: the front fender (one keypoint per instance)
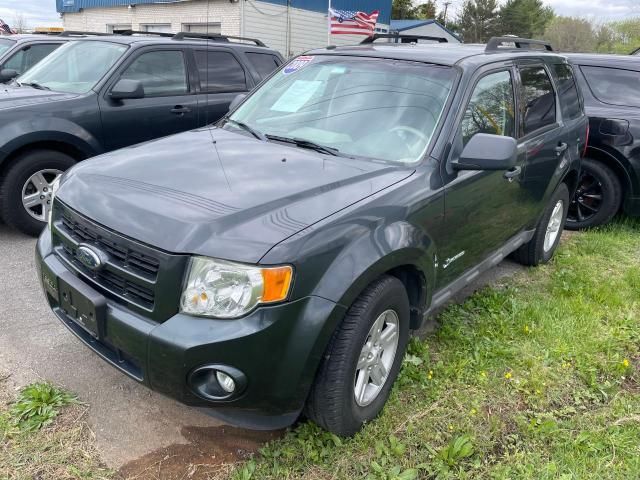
(27, 131)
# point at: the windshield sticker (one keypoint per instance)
(296, 96)
(297, 64)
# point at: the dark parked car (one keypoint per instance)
(18, 53)
(278, 261)
(610, 179)
(102, 93)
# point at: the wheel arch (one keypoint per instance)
(59, 146)
(615, 164)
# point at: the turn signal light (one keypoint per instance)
(277, 282)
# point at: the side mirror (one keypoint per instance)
(126, 89)
(7, 74)
(237, 101)
(488, 152)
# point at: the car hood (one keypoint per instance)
(13, 97)
(218, 193)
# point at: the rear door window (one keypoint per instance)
(161, 73)
(538, 100)
(614, 85)
(264, 63)
(570, 102)
(220, 72)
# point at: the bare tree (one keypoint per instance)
(19, 23)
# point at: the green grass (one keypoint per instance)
(537, 379)
(43, 436)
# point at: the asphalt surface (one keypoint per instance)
(129, 420)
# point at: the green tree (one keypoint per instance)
(426, 10)
(478, 20)
(524, 18)
(570, 34)
(402, 9)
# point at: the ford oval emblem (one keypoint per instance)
(90, 257)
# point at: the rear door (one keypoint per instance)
(169, 105)
(221, 76)
(542, 136)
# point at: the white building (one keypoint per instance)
(429, 28)
(290, 26)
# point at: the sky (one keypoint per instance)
(43, 12)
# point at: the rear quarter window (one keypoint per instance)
(615, 86)
(570, 101)
(264, 63)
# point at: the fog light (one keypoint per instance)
(226, 382)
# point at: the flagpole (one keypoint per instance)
(329, 25)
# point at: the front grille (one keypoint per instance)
(135, 274)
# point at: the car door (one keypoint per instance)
(220, 77)
(483, 209)
(27, 56)
(542, 135)
(169, 104)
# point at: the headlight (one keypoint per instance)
(221, 289)
(54, 188)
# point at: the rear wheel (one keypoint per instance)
(597, 198)
(362, 360)
(542, 246)
(26, 189)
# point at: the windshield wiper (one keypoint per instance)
(302, 143)
(247, 128)
(34, 85)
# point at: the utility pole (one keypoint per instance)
(446, 7)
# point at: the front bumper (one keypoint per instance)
(277, 348)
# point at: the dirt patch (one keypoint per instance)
(209, 454)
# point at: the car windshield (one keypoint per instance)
(5, 44)
(75, 67)
(370, 107)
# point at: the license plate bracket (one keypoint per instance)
(85, 307)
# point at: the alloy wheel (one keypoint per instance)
(587, 200)
(36, 193)
(376, 357)
(553, 227)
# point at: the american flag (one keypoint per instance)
(346, 22)
(4, 28)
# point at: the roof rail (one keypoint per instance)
(494, 43)
(137, 32)
(73, 33)
(214, 37)
(398, 36)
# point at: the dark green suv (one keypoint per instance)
(277, 262)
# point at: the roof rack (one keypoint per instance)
(398, 36)
(494, 43)
(635, 52)
(137, 32)
(73, 33)
(214, 37)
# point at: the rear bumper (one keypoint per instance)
(276, 348)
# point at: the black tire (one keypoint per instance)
(22, 168)
(331, 402)
(534, 253)
(598, 196)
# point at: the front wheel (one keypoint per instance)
(362, 360)
(546, 238)
(26, 189)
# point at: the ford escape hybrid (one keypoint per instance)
(276, 263)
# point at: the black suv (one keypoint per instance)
(277, 261)
(18, 53)
(610, 179)
(102, 93)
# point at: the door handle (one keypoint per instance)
(179, 110)
(512, 173)
(560, 149)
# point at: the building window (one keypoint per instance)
(118, 27)
(156, 27)
(208, 28)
